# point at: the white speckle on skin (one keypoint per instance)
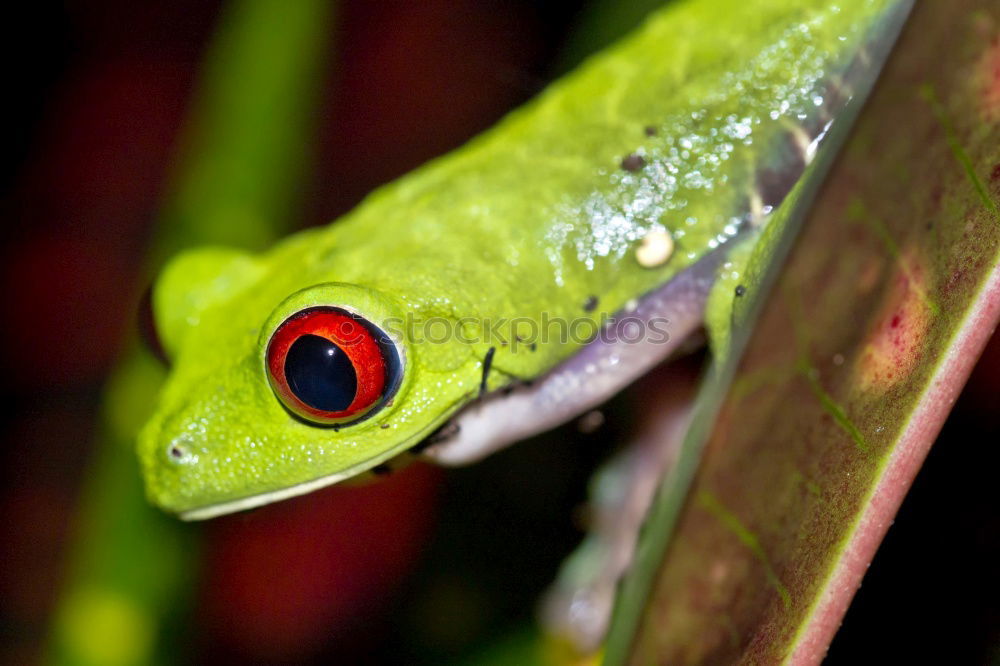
(655, 249)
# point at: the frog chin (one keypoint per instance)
(598, 371)
(386, 459)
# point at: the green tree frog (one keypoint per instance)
(511, 285)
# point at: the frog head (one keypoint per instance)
(281, 384)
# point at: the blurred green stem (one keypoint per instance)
(244, 153)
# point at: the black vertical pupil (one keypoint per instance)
(320, 374)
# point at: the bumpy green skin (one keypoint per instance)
(533, 217)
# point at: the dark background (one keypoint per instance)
(96, 93)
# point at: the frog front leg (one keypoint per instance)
(577, 607)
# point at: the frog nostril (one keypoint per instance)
(180, 452)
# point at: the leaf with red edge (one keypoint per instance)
(870, 331)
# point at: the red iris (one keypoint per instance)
(326, 365)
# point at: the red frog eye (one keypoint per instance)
(329, 366)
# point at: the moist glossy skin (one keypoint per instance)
(679, 128)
